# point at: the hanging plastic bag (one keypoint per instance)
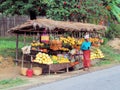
(45, 37)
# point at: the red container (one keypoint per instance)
(29, 73)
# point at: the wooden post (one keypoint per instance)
(24, 39)
(22, 61)
(17, 48)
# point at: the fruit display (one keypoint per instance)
(64, 49)
(58, 44)
(79, 41)
(96, 53)
(54, 59)
(69, 40)
(63, 60)
(59, 59)
(43, 58)
(73, 41)
(55, 44)
(94, 39)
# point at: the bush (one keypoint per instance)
(113, 31)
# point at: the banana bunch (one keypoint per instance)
(64, 49)
(43, 58)
(94, 40)
(96, 53)
(36, 44)
(59, 59)
(63, 60)
(79, 41)
(69, 40)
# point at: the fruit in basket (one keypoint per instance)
(55, 44)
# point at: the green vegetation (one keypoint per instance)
(73, 10)
(77, 10)
(111, 55)
(113, 31)
(9, 83)
(8, 46)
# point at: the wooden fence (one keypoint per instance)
(8, 22)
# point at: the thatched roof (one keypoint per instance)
(34, 26)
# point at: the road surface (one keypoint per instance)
(107, 79)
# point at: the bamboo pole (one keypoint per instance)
(17, 36)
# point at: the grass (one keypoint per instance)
(111, 56)
(8, 46)
(110, 53)
(9, 83)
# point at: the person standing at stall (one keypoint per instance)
(85, 47)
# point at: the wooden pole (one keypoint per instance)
(17, 48)
(24, 39)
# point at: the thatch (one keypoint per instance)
(34, 26)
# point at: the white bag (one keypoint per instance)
(26, 49)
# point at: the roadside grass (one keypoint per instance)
(9, 83)
(111, 56)
(8, 46)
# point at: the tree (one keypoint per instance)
(77, 10)
(23, 7)
(72, 10)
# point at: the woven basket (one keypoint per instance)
(37, 71)
(55, 44)
(23, 71)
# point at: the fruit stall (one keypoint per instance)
(56, 44)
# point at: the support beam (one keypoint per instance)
(17, 36)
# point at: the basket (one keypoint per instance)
(23, 71)
(55, 44)
(37, 71)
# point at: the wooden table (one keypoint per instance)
(58, 67)
(46, 67)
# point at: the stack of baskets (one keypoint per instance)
(36, 71)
